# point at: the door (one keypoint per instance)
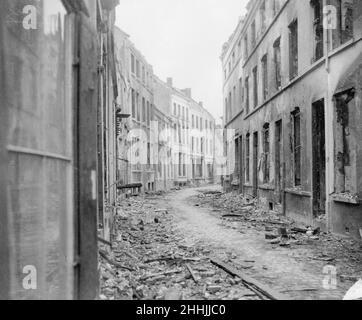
(319, 158)
(255, 163)
(278, 160)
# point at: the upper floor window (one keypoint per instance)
(138, 71)
(255, 86)
(264, 63)
(318, 29)
(247, 95)
(246, 50)
(344, 23)
(241, 91)
(277, 64)
(293, 49)
(253, 34)
(262, 17)
(133, 68)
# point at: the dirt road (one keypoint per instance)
(291, 270)
(164, 242)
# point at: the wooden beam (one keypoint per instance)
(250, 282)
(4, 123)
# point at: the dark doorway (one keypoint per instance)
(319, 159)
(255, 164)
(278, 160)
(241, 157)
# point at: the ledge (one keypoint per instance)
(298, 192)
(346, 198)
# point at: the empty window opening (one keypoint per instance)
(318, 29)
(277, 64)
(255, 78)
(293, 50)
(345, 143)
(264, 63)
(297, 147)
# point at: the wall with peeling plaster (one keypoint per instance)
(315, 81)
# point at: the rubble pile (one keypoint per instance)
(232, 205)
(242, 213)
(148, 260)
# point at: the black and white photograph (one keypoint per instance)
(194, 152)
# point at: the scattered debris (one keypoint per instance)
(252, 283)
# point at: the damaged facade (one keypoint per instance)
(292, 93)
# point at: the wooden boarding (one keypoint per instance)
(264, 289)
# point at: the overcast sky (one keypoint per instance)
(183, 39)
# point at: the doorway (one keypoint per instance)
(278, 160)
(255, 163)
(319, 158)
(241, 169)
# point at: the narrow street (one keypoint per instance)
(161, 246)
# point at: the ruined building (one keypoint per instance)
(292, 93)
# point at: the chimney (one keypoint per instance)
(187, 92)
(170, 82)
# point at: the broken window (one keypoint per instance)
(247, 158)
(293, 50)
(264, 63)
(255, 78)
(345, 142)
(277, 64)
(297, 147)
(266, 146)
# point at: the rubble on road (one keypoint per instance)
(244, 214)
(148, 260)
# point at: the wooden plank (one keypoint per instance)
(191, 272)
(4, 229)
(87, 160)
(264, 289)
